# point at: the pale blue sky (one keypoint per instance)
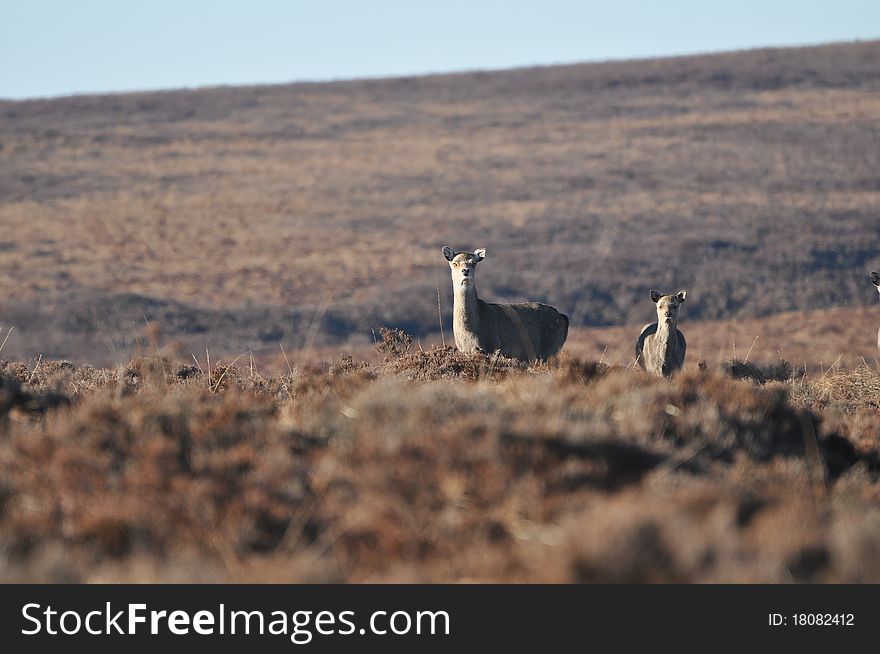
(77, 46)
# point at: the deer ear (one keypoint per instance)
(480, 254)
(655, 296)
(875, 278)
(448, 252)
(681, 296)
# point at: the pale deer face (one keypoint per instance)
(667, 306)
(463, 265)
(875, 279)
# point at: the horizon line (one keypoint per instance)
(430, 73)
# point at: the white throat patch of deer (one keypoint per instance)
(529, 331)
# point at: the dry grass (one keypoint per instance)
(437, 466)
(852, 389)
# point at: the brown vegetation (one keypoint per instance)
(200, 230)
(311, 213)
(437, 466)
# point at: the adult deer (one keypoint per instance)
(529, 331)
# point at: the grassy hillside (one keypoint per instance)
(239, 218)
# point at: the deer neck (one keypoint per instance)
(665, 334)
(465, 310)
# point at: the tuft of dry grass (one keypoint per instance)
(850, 389)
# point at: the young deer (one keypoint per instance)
(875, 278)
(661, 346)
(529, 331)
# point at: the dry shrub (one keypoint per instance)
(573, 370)
(15, 397)
(449, 363)
(780, 371)
(393, 341)
(347, 365)
(437, 466)
(125, 476)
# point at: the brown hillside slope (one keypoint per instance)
(241, 217)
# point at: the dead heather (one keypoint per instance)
(760, 373)
(435, 466)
